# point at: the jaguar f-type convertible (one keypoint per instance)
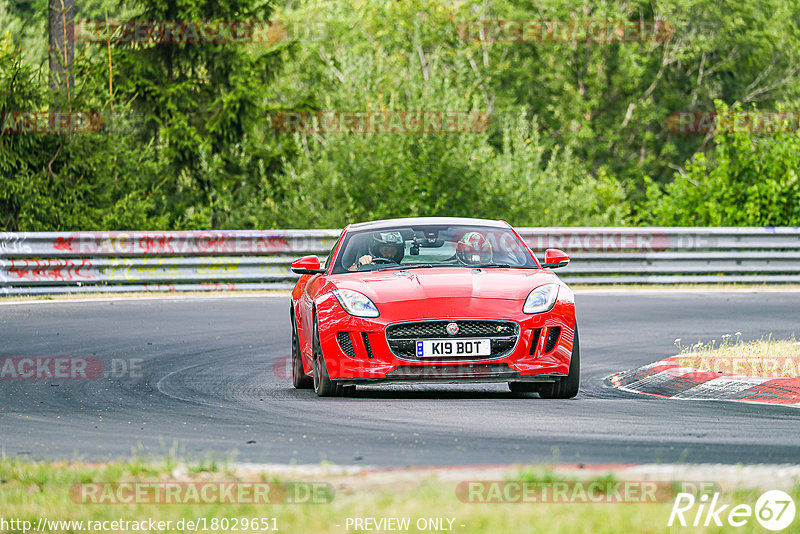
(434, 300)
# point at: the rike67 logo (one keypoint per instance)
(774, 510)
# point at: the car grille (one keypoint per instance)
(401, 337)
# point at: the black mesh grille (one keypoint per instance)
(552, 338)
(365, 337)
(438, 329)
(346, 343)
(401, 337)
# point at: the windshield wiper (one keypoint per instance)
(486, 265)
(404, 267)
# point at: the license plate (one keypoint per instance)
(428, 348)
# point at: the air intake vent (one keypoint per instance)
(535, 341)
(365, 337)
(552, 338)
(346, 343)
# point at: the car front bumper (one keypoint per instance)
(541, 354)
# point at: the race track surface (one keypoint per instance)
(206, 386)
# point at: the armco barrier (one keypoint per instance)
(49, 262)
(77, 262)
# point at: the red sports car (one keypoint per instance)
(434, 300)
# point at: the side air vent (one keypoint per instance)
(552, 338)
(535, 340)
(346, 343)
(365, 337)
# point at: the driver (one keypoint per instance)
(384, 245)
(474, 249)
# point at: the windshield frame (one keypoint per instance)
(336, 266)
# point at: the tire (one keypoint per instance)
(567, 387)
(523, 387)
(323, 386)
(299, 378)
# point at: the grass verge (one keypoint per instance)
(31, 491)
(764, 357)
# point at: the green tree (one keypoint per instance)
(409, 56)
(748, 180)
(62, 181)
(199, 102)
(611, 100)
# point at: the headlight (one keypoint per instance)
(355, 303)
(541, 299)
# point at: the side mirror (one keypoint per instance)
(307, 265)
(555, 258)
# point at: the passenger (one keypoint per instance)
(474, 249)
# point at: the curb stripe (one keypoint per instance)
(718, 389)
(668, 379)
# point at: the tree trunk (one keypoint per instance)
(62, 47)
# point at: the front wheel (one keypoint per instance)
(299, 378)
(323, 386)
(567, 387)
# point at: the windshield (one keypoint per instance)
(429, 246)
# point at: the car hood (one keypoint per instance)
(444, 282)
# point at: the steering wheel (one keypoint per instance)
(382, 261)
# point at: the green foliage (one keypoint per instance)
(348, 178)
(578, 132)
(21, 22)
(54, 181)
(752, 181)
(179, 137)
(376, 63)
(612, 100)
(199, 103)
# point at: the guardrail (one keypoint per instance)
(50, 262)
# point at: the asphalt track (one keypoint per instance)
(207, 387)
